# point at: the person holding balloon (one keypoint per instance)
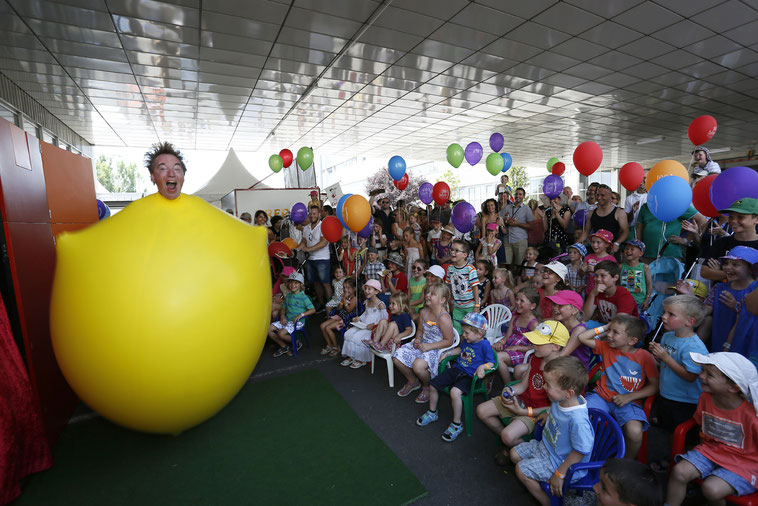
(555, 221)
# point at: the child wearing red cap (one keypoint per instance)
(600, 242)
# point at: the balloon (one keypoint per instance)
(669, 198)
(402, 183)
(275, 163)
(552, 186)
(550, 163)
(441, 192)
(286, 155)
(733, 184)
(172, 347)
(455, 155)
(473, 153)
(631, 175)
(496, 142)
(331, 228)
(298, 213)
(366, 231)
(356, 212)
(701, 197)
(507, 161)
(666, 168)
(587, 157)
(396, 167)
(702, 129)
(494, 163)
(103, 211)
(463, 216)
(304, 158)
(290, 243)
(558, 168)
(580, 217)
(340, 207)
(425, 193)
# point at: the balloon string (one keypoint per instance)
(662, 242)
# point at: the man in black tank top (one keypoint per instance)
(608, 217)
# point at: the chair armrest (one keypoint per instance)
(445, 361)
(677, 444)
(475, 378)
(580, 466)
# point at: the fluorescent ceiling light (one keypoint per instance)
(649, 141)
(719, 150)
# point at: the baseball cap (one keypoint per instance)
(604, 235)
(475, 320)
(436, 270)
(564, 297)
(749, 255)
(735, 367)
(296, 276)
(287, 271)
(549, 332)
(374, 284)
(560, 269)
(636, 242)
(581, 248)
(743, 206)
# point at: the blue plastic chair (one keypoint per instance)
(609, 443)
(305, 337)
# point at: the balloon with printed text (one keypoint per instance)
(402, 183)
(702, 129)
(426, 193)
(441, 192)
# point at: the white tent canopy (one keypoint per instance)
(232, 175)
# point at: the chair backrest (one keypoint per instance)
(609, 439)
(456, 341)
(496, 315)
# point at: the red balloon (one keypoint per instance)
(401, 183)
(559, 168)
(701, 197)
(587, 157)
(631, 175)
(441, 192)
(331, 228)
(702, 129)
(286, 155)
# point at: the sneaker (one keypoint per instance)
(427, 418)
(408, 388)
(281, 351)
(346, 362)
(423, 397)
(452, 432)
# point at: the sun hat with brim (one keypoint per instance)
(559, 269)
(374, 284)
(581, 248)
(437, 271)
(395, 258)
(637, 244)
(564, 297)
(449, 229)
(698, 288)
(742, 206)
(604, 235)
(492, 226)
(475, 320)
(296, 276)
(287, 271)
(549, 332)
(735, 367)
(745, 253)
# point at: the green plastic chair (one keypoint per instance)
(477, 387)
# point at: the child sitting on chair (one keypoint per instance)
(296, 307)
(727, 457)
(568, 436)
(475, 358)
(389, 333)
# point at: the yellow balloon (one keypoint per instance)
(356, 212)
(666, 168)
(159, 314)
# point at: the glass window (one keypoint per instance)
(7, 114)
(48, 137)
(30, 127)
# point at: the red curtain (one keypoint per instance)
(23, 447)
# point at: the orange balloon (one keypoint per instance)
(666, 168)
(290, 243)
(356, 212)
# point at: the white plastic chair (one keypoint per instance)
(387, 355)
(456, 342)
(496, 315)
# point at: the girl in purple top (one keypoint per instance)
(567, 309)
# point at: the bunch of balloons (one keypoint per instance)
(285, 157)
(473, 154)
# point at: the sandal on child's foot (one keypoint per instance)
(325, 350)
(333, 351)
(346, 362)
(423, 397)
(427, 418)
(452, 432)
(408, 388)
(357, 364)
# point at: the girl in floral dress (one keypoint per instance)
(511, 349)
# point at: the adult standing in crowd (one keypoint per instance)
(649, 230)
(318, 264)
(608, 217)
(632, 206)
(589, 203)
(556, 219)
(536, 234)
(384, 216)
(490, 214)
(515, 222)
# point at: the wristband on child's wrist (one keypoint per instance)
(559, 475)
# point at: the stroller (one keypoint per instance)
(665, 271)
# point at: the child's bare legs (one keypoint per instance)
(502, 368)
(490, 416)
(531, 485)
(381, 328)
(683, 473)
(456, 400)
(389, 334)
(273, 333)
(520, 370)
(632, 438)
(715, 490)
(421, 370)
(285, 337)
(434, 397)
(327, 330)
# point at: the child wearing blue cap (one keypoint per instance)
(476, 357)
(576, 278)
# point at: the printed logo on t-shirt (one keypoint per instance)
(459, 283)
(538, 381)
(632, 280)
(625, 376)
(467, 356)
(607, 310)
(728, 432)
(552, 431)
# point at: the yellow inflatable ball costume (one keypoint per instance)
(159, 313)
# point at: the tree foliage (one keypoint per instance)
(518, 178)
(123, 178)
(452, 180)
(381, 179)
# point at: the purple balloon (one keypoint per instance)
(366, 231)
(580, 217)
(425, 192)
(552, 186)
(298, 213)
(733, 184)
(463, 217)
(496, 142)
(473, 153)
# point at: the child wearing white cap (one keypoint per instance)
(727, 457)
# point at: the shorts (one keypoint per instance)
(452, 377)
(624, 414)
(317, 270)
(506, 413)
(458, 314)
(290, 327)
(706, 468)
(535, 463)
(669, 414)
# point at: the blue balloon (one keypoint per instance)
(507, 161)
(103, 211)
(396, 167)
(669, 198)
(341, 203)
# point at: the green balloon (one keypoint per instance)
(275, 162)
(550, 164)
(494, 163)
(304, 158)
(455, 155)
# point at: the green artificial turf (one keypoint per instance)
(288, 440)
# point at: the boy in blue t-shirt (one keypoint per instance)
(476, 357)
(568, 436)
(679, 383)
(296, 307)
